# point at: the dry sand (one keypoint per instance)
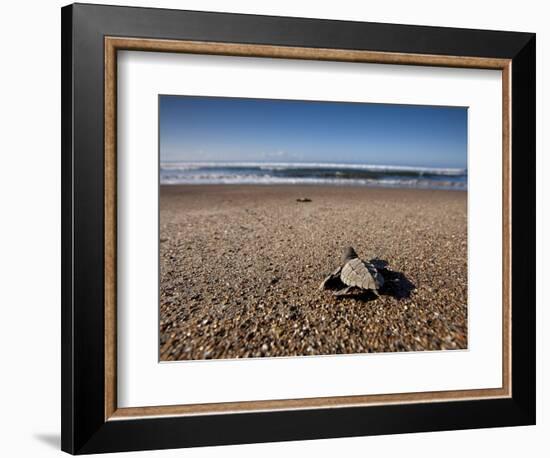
(240, 269)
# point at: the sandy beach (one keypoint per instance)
(240, 267)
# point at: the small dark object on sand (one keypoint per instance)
(303, 199)
(354, 276)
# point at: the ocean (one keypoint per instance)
(313, 173)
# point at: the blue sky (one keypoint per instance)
(260, 130)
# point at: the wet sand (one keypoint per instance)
(240, 268)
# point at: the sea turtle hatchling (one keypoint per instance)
(354, 276)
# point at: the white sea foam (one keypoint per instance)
(311, 165)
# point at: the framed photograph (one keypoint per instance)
(281, 228)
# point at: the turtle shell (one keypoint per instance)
(361, 274)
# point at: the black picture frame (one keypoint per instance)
(84, 428)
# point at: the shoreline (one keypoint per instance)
(316, 185)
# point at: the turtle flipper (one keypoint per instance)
(349, 291)
(329, 281)
(343, 291)
(354, 291)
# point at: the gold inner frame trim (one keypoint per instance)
(114, 44)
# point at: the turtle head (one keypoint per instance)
(349, 254)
